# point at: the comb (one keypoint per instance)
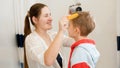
(72, 16)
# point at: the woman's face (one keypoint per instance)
(45, 20)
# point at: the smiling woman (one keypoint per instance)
(42, 47)
(14, 11)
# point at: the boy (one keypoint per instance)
(83, 52)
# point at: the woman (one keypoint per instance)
(41, 47)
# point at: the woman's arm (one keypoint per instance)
(67, 41)
(52, 52)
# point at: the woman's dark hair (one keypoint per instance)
(35, 11)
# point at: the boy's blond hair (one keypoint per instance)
(85, 23)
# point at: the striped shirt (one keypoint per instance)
(83, 54)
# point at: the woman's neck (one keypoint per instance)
(42, 33)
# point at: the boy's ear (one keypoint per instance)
(34, 19)
(77, 30)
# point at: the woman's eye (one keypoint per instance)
(46, 15)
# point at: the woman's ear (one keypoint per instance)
(34, 19)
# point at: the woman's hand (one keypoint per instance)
(63, 23)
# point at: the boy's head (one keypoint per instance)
(81, 25)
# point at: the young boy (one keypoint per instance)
(83, 52)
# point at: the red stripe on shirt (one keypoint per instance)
(80, 65)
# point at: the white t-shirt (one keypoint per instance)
(35, 49)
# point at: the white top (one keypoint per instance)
(35, 49)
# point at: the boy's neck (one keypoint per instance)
(80, 37)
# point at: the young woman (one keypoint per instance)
(42, 47)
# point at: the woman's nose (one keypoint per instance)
(50, 18)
